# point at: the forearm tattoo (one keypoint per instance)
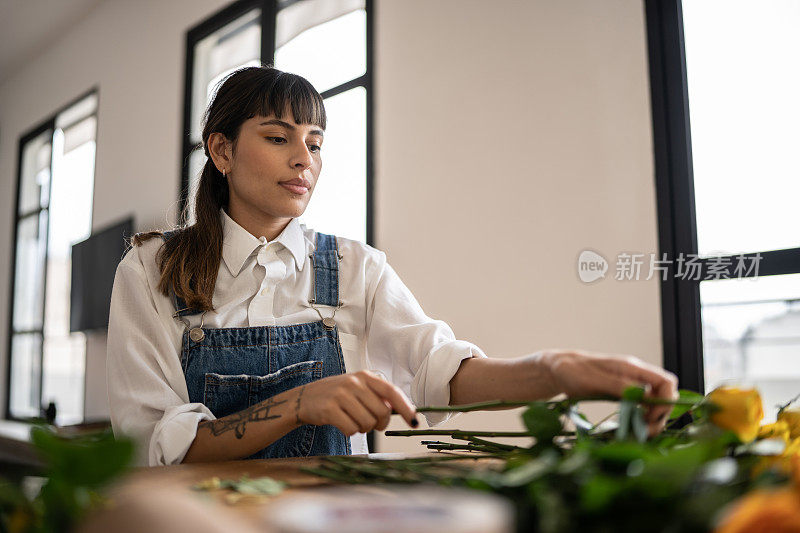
(297, 404)
(238, 421)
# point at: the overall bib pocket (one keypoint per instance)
(225, 394)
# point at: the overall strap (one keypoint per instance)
(326, 270)
(181, 309)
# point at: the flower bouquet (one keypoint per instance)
(714, 468)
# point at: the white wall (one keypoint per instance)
(509, 137)
(134, 52)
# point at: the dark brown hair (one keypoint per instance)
(189, 261)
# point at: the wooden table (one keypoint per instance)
(174, 484)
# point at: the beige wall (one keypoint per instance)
(510, 136)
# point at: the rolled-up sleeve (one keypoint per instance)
(147, 394)
(417, 353)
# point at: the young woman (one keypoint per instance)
(248, 335)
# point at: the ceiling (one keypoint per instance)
(28, 27)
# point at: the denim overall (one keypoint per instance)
(230, 369)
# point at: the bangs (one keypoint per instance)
(272, 97)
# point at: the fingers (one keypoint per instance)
(615, 385)
(360, 415)
(667, 390)
(363, 401)
(657, 383)
(394, 396)
(377, 407)
(342, 420)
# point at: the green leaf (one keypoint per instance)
(624, 418)
(574, 463)
(477, 484)
(685, 396)
(90, 460)
(10, 494)
(76, 467)
(640, 430)
(633, 394)
(531, 470)
(604, 428)
(582, 424)
(666, 475)
(260, 485)
(618, 455)
(542, 422)
(599, 491)
(554, 515)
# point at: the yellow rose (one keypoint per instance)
(792, 419)
(20, 521)
(796, 470)
(778, 430)
(788, 462)
(739, 410)
(764, 511)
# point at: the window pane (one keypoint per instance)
(25, 350)
(64, 363)
(70, 222)
(324, 41)
(751, 333)
(234, 45)
(35, 178)
(29, 272)
(80, 110)
(743, 85)
(339, 204)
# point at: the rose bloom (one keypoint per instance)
(764, 511)
(796, 470)
(787, 463)
(739, 410)
(777, 430)
(792, 419)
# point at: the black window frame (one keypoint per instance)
(674, 179)
(269, 12)
(47, 124)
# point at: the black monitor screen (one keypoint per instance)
(94, 264)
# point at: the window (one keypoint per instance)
(287, 34)
(725, 117)
(53, 211)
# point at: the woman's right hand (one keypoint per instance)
(357, 402)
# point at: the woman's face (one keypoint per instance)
(275, 167)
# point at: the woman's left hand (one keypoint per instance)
(578, 373)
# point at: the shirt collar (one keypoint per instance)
(238, 243)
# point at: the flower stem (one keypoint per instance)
(456, 432)
(568, 401)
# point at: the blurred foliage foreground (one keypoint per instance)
(714, 468)
(76, 469)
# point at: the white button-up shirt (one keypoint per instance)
(260, 283)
